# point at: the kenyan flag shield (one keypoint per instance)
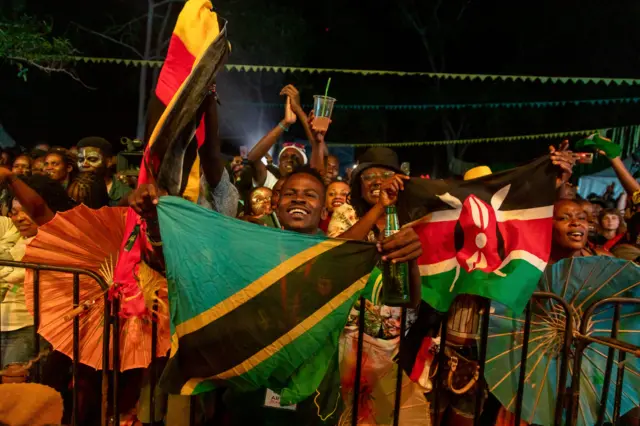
(489, 237)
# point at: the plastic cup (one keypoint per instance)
(322, 109)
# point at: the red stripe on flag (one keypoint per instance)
(176, 69)
(438, 241)
(533, 236)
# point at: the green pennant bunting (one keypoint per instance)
(532, 137)
(445, 76)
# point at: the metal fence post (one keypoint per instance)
(36, 322)
(398, 396)
(523, 362)
(356, 389)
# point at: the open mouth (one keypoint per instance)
(375, 193)
(337, 203)
(576, 236)
(297, 212)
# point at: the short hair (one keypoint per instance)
(62, 153)
(307, 170)
(96, 142)
(52, 192)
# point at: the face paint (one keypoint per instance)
(261, 201)
(90, 159)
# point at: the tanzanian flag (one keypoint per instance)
(489, 236)
(252, 306)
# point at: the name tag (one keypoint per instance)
(272, 400)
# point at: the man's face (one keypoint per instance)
(4, 160)
(567, 191)
(237, 166)
(37, 168)
(91, 159)
(290, 158)
(332, 169)
(593, 221)
(56, 168)
(22, 166)
(275, 194)
(301, 205)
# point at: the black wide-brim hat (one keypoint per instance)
(376, 157)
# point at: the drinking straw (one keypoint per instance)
(326, 92)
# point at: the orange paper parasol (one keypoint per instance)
(90, 239)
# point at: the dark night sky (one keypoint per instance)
(537, 38)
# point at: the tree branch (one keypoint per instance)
(50, 69)
(111, 39)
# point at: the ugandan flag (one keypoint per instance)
(197, 51)
(489, 237)
(252, 306)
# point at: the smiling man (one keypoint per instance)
(301, 205)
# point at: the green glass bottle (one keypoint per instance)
(395, 276)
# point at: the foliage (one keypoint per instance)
(31, 39)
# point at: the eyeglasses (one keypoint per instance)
(374, 176)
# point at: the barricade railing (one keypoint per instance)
(579, 338)
(109, 319)
(584, 339)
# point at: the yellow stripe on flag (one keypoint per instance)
(252, 290)
(197, 26)
(297, 331)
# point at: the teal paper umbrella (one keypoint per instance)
(580, 282)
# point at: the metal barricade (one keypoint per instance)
(614, 344)
(110, 317)
(580, 339)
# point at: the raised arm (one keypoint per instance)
(267, 142)
(316, 139)
(209, 152)
(33, 203)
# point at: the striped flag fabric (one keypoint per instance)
(197, 50)
(254, 307)
(489, 237)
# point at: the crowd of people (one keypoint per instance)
(303, 193)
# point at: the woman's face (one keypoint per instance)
(371, 180)
(27, 227)
(275, 194)
(22, 166)
(610, 222)
(261, 202)
(570, 225)
(337, 195)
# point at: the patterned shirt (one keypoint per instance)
(13, 308)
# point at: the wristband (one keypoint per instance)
(286, 129)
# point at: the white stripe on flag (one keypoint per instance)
(438, 268)
(531, 258)
(450, 264)
(525, 214)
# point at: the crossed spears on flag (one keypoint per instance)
(479, 223)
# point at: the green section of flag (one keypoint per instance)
(253, 307)
(513, 289)
(207, 278)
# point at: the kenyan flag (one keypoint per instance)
(489, 236)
